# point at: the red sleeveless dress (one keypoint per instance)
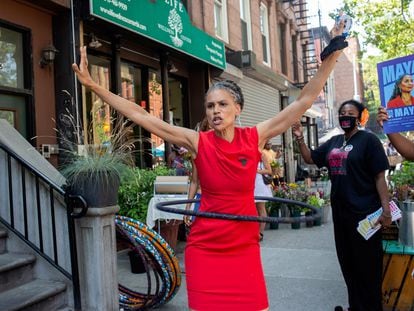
(222, 257)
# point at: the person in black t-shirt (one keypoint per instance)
(356, 162)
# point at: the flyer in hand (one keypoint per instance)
(367, 228)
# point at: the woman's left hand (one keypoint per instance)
(384, 220)
(187, 220)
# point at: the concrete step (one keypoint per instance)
(37, 295)
(15, 269)
(3, 240)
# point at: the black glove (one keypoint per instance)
(336, 44)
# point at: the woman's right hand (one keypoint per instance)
(82, 71)
(382, 116)
(297, 129)
(337, 29)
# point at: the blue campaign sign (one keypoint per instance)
(395, 77)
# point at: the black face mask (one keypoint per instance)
(347, 123)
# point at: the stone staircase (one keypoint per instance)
(22, 288)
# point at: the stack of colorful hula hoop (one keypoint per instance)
(161, 265)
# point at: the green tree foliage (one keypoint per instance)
(387, 25)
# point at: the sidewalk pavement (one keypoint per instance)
(301, 270)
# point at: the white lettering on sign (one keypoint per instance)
(119, 4)
(393, 72)
(176, 4)
(123, 18)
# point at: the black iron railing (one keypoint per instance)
(36, 205)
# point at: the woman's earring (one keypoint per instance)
(238, 120)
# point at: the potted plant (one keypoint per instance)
(273, 209)
(316, 200)
(95, 175)
(95, 163)
(298, 193)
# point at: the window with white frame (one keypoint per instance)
(220, 19)
(264, 30)
(246, 28)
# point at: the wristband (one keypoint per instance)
(336, 44)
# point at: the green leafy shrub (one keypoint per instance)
(402, 182)
(137, 190)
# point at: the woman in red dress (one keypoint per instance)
(222, 257)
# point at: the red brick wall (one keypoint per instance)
(344, 74)
(40, 24)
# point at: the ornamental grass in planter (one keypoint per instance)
(96, 177)
(95, 162)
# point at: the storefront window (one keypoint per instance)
(11, 58)
(131, 89)
(156, 109)
(98, 120)
(131, 83)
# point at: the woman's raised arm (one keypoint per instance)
(174, 134)
(285, 118)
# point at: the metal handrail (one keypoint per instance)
(71, 202)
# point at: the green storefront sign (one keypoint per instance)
(165, 21)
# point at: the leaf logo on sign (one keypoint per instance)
(176, 24)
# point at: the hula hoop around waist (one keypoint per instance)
(164, 206)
